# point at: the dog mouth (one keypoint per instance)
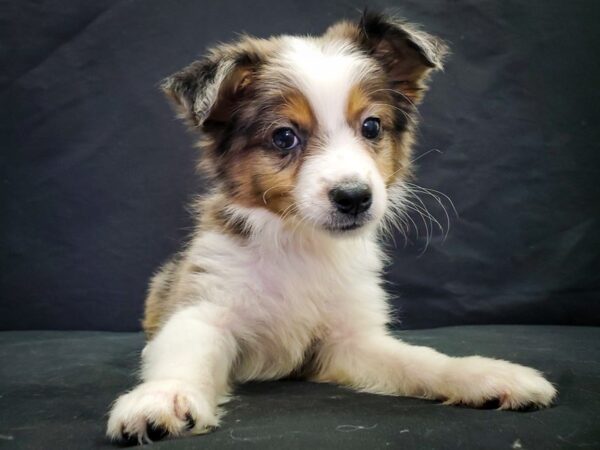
(343, 228)
(347, 225)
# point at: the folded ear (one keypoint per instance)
(407, 53)
(207, 91)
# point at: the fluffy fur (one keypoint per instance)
(277, 279)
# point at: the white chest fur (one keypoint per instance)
(281, 292)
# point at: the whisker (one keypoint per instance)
(288, 211)
(406, 202)
(407, 116)
(437, 196)
(400, 93)
(264, 196)
(428, 231)
(429, 190)
(427, 153)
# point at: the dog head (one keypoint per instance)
(316, 130)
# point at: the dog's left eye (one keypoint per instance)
(371, 127)
(285, 138)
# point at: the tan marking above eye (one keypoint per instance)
(297, 109)
(370, 100)
(358, 102)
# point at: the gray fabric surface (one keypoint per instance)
(56, 387)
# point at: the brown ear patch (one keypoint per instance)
(230, 92)
(208, 89)
(404, 66)
(405, 52)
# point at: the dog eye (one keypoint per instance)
(371, 127)
(285, 139)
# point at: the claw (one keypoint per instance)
(156, 432)
(190, 422)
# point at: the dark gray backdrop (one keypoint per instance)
(96, 172)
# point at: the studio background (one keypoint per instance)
(96, 171)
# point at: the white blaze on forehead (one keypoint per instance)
(325, 74)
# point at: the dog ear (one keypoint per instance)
(206, 91)
(407, 53)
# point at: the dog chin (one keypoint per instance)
(348, 227)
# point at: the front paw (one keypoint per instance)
(474, 381)
(159, 409)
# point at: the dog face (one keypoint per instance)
(315, 130)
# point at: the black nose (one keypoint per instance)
(351, 197)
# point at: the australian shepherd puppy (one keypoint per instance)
(307, 142)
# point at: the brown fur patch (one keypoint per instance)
(261, 179)
(395, 45)
(391, 152)
(254, 172)
(215, 217)
(297, 109)
(157, 305)
(195, 268)
(358, 101)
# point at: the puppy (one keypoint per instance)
(307, 142)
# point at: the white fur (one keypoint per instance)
(261, 305)
(325, 73)
(344, 159)
(166, 402)
(266, 302)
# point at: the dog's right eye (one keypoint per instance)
(285, 138)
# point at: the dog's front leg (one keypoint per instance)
(376, 362)
(185, 372)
